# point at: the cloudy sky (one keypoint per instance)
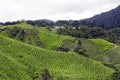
(11, 10)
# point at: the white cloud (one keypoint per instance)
(53, 9)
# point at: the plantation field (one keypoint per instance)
(52, 41)
(102, 45)
(112, 56)
(109, 51)
(20, 61)
(26, 50)
(48, 38)
(37, 36)
(91, 49)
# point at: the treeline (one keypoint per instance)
(40, 23)
(10, 23)
(50, 23)
(45, 22)
(88, 30)
(112, 35)
(106, 20)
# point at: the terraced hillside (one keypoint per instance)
(112, 57)
(101, 50)
(102, 45)
(105, 52)
(37, 36)
(29, 51)
(96, 48)
(21, 61)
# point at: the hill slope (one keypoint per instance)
(103, 51)
(37, 36)
(24, 62)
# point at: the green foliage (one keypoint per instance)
(46, 75)
(14, 32)
(115, 76)
(110, 57)
(81, 52)
(38, 36)
(48, 28)
(68, 30)
(111, 35)
(30, 61)
(102, 45)
(51, 40)
(21, 61)
(62, 49)
(25, 35)
(91, 49)
(70, 44)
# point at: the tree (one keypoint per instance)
(116, 76)
(46, 75)
(62, 49)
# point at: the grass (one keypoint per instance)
(20, 61)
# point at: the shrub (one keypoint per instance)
(62, 49)
(116, 76)
(46, 75)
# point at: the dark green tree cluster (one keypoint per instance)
(29, 36)
(112, 35)
(116, 76)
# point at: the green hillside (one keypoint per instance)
(52, 40)
(110, 53)
(112, 57)
(102, 45)
(26, 50)
(37, 36)
(21, 61)
(91, 49)
(46, 37)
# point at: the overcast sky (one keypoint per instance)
(53, 9)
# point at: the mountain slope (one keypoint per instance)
(24, 62)
(108, 19)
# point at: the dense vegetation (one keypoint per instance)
(22, 61)
(37, 36)
(102, 45)
(112, 35)
(86, 49)
(50, 56)
(110, 19)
